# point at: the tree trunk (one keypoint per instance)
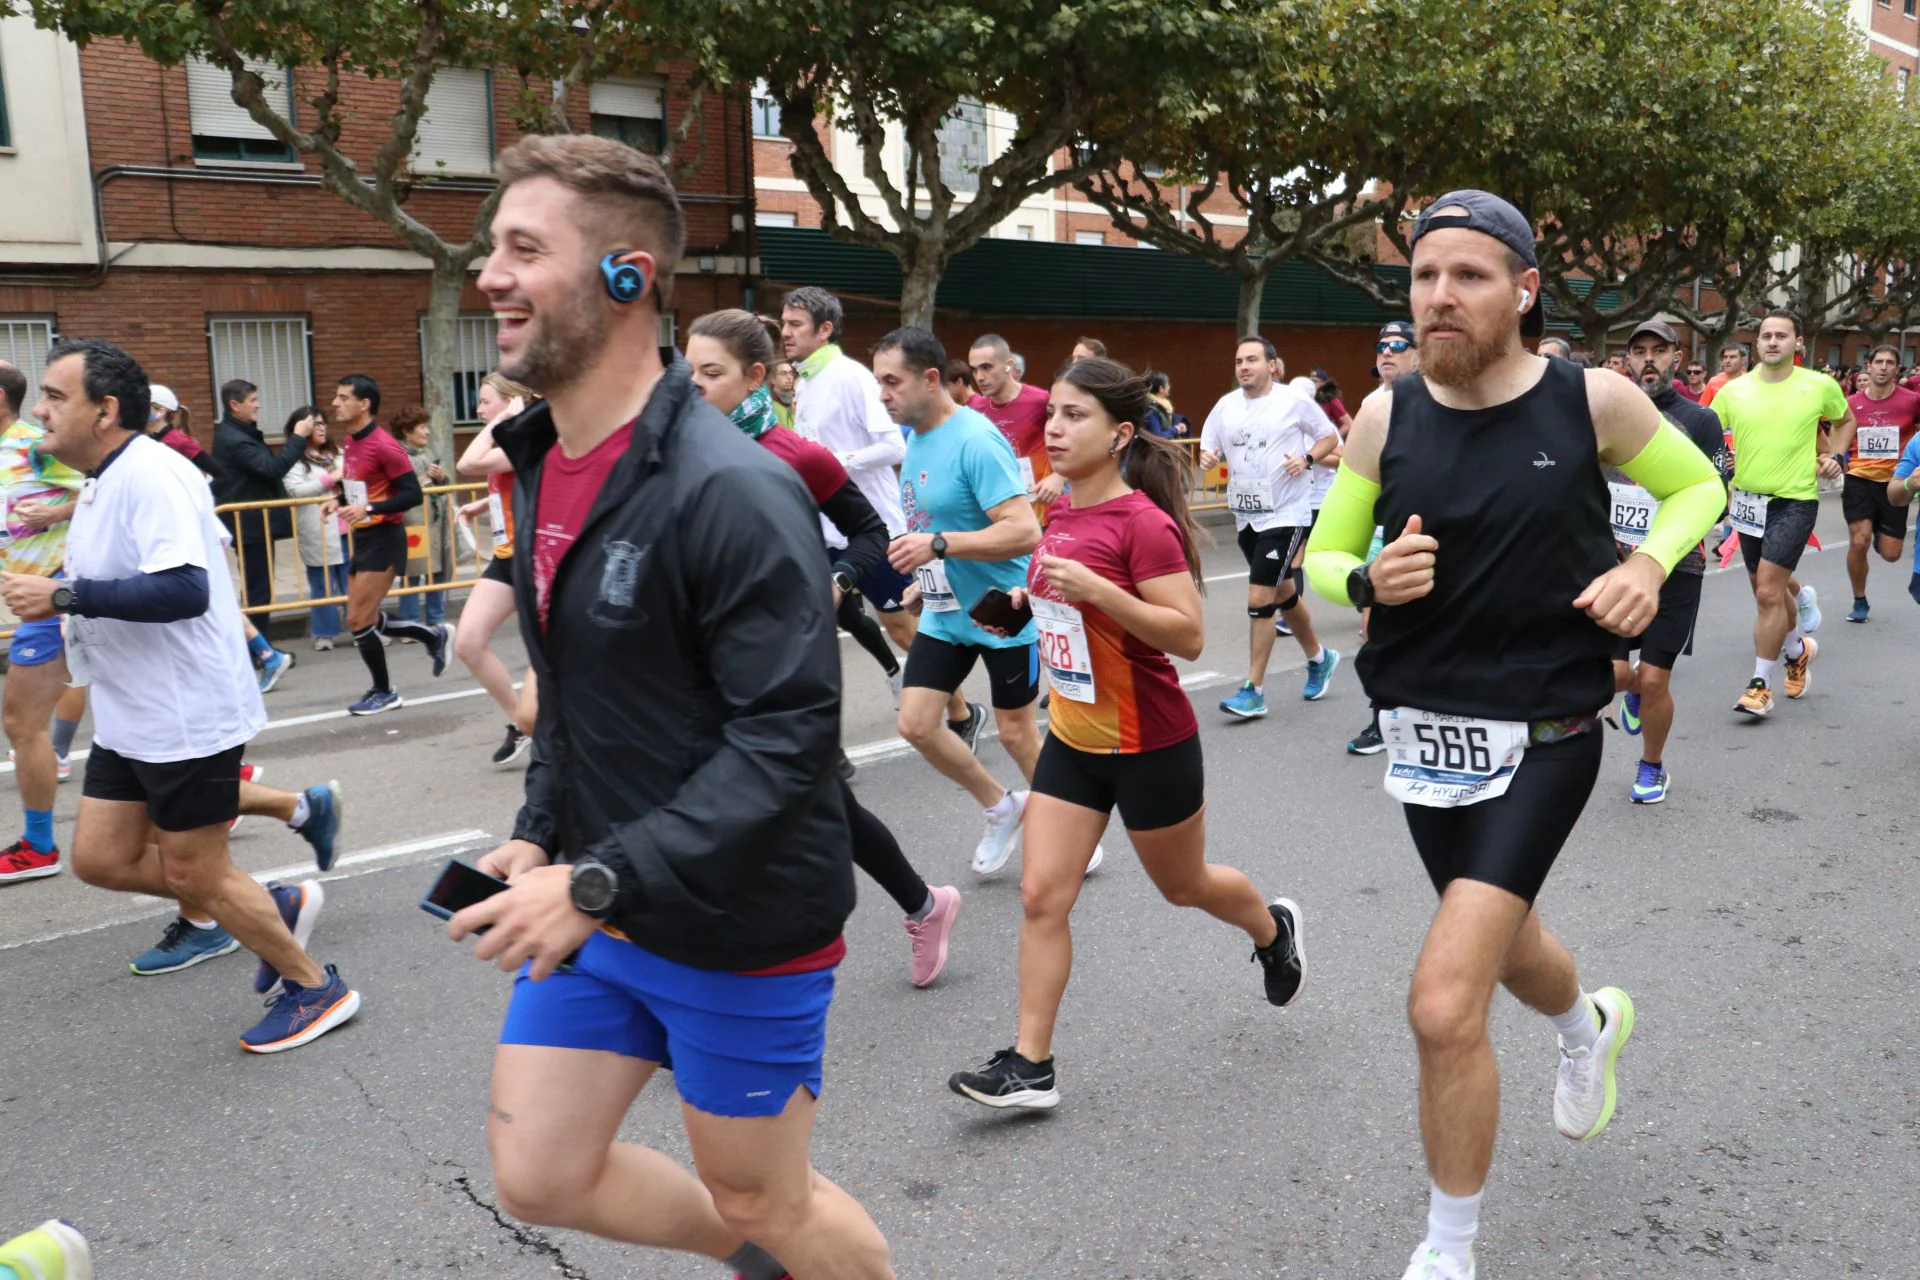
(1253, 288)
(920, 270)
(443, 326)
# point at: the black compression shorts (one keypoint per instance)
(380, 548)
(1152, 789)
(1864, 499)
(1670, 634)
(1013, 672)
(1789, 525)
(1270, 552)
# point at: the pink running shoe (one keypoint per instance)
(930, 935)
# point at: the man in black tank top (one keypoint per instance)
(1497, 604)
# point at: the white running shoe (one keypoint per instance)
(1583, 1096)
(1001, 837)
(894, 684)
(1808, 603)
(1099, 856)
(1431, 1264)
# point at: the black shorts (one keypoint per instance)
(380, 548)
(1864, 499)
(1270, 554)
(1013, 673)
(499, 569)
(1153, 789)
(1670, 634)
(1789, 525)
(1511, 842)
(183, 795)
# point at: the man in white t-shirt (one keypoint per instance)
(153, 625)
(1270, 437)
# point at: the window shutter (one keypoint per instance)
(636, 99)
(210, 104)
(456, 133)
(24, 341)
(474, 356)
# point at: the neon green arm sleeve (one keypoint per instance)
(1341, 537)
(1691, 494)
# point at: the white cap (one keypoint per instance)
(163, 398)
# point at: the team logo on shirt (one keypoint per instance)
(1542, 462)
(622, 570)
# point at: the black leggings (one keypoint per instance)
(867, 634)
(877, 853)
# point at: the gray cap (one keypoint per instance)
(1661, 331)
(1488, 214)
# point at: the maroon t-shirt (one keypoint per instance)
(819, 470)
(374, 458)
(568, 487)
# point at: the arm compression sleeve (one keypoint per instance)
(407, 494)
(1340, 539)
(170, 595)
(1673, 469)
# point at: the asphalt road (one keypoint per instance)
(1762, 919)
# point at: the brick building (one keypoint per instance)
(146, 207)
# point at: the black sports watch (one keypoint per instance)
(594, 888)
(843, 580)
(939, 546)
(1360, 587)
(63, 599)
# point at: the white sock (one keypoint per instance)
(1796, 643)
(200, 924)
(301, 812)
(1579, 1026)
(1763, 669)
(1452, 1222)
(1002, 807)
(1317, 655)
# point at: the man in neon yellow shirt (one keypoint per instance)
(1776, 414)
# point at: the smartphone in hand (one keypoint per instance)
(996, 609)
(458, 888)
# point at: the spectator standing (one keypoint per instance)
(1162, 420)
(781, 380)
(429, 525)
(318, 536)
(253, 472)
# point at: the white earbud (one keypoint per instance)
(1526, 298)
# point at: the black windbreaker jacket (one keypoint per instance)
(689, 690)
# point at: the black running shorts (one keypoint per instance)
(182, 795)
(1013, 673)
(1152, 789)
(380, 548)
(1789, 525)
(1270, 553)
(499, 569)
(1864, 499)
(1670, 634)
(1511, 842)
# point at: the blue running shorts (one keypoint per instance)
(36, 643)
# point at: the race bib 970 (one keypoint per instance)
(936, 593)
(1444, 761)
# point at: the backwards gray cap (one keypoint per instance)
(1488, 214)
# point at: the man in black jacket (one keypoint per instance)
(254, 473)
(683, 848)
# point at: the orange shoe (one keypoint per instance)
(1757, 701)
(1797, 669)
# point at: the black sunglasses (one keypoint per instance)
(1696, 373)
(1394, 345)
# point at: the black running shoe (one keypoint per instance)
(1367, 742)
(1284, 961)
(513, 746)
(1009, 1080)
(845, 766)
(970, 728)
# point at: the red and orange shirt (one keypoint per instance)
(1023, 421)
(370, 462)
(500, 513)
(1113, 694)
(1875, 448)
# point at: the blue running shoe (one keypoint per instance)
(1246, 702)
(1650, 786)
(300, 1015)
(1630, 714)
(440, 646)
(276, 665)
(1320, 674)
(1280, 626)
(299, 906)
(375, 701)
(1860, 610)
(183, 946)
(325, 805)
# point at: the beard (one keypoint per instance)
(560, 347)
(1457, 362)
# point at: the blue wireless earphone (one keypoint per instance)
(625, 281)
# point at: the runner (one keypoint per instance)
(682, 830)
(1887, 416)
(970, 530)
(1394, 357)
(1114, 588)
(1900, 494)
(1487, 469)
(1020, 411)
(1775, 416)
(1646, 704)
(380, 487)
(39, 500)
(1555, 346)
(490, 602)
(1733, 364)
(1269, 437)
(729, 352)
(155, 629)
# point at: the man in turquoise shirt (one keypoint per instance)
(970, 529)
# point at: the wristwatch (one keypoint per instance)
(594, 888)
(843, 580)
(63, 599)
(939, 546)
(1360, 587)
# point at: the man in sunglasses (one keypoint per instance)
(1695, 384)
(1394, 356)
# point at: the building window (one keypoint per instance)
(1023, 232)
(766, 112)
(272, 353)
(669, 328)
(222, 129)
(23, 344)
(962, 138)
(456, 133)
(474, 356)
(1901, 80)
(6, 129)
(772, 218)
(1089, 237)
(631, 111)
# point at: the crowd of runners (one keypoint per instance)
(681, 537)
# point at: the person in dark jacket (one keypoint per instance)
(253, 472)
(682, 850)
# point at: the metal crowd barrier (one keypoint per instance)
(1209, 487)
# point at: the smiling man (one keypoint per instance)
(1497, 606)
(680, 870)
